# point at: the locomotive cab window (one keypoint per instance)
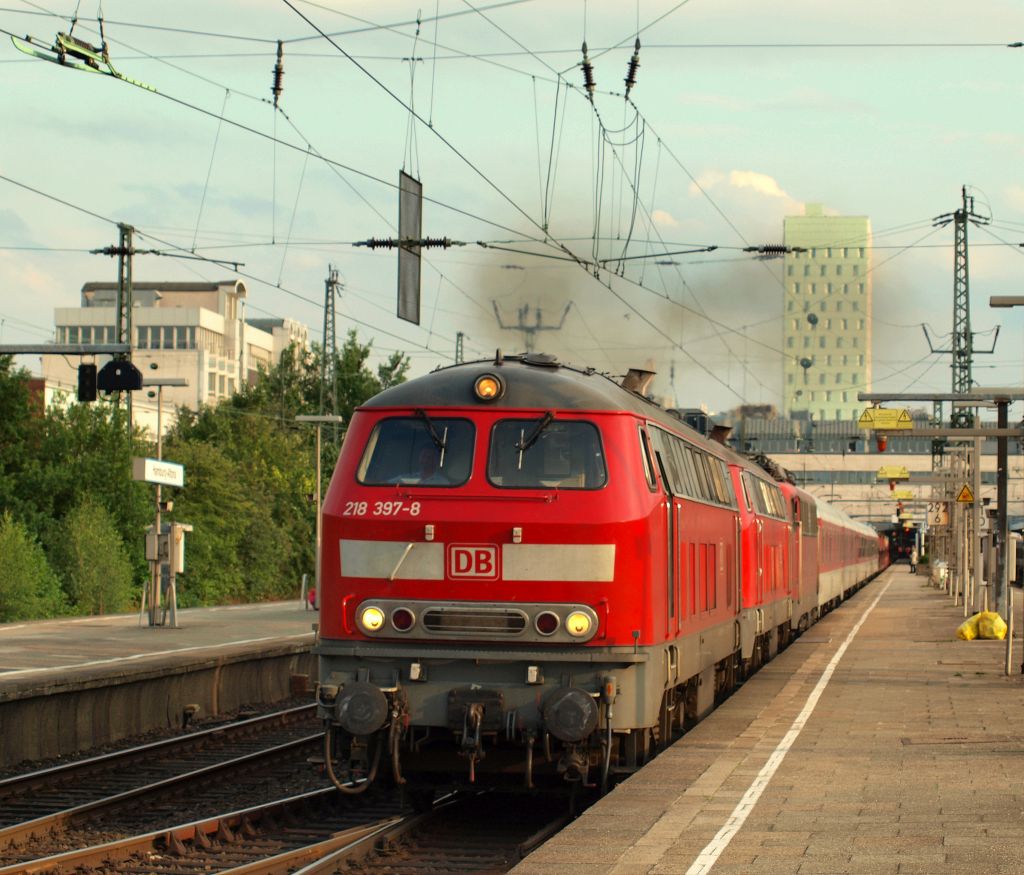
(546, 453)
(418, 451)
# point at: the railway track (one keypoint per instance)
(324, 831)
(147, 787)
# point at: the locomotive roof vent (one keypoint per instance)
(638, 380)
(540, 359)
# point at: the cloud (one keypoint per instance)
(759, 182)
(664, 219)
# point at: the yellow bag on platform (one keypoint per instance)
(991, 625)
(968, 630)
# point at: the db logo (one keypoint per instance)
(473, 560)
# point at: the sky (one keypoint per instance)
(741, 113)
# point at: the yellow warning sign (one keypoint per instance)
(965, 496)
(885, 419)
(903, 495)
(893, 472)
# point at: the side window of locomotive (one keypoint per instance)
(662, 442)
(645, 455)
(534, 454)
(413, 451)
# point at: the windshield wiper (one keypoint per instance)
(525, 443)
(441, 442)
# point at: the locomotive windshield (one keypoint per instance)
(418, 451)
(546, 453)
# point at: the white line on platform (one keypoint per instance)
(714, 849)
(133, 656)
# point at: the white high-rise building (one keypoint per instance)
(827, 314)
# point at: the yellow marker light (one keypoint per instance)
(577, 624)
(371, 619)
(488, 387)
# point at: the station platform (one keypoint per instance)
(73, 683)
(878, 742)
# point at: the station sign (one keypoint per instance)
(903, 495)
(158, 471)
(893, 472)
(885, 419)
(938, 513)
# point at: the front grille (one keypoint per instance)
(486, 622)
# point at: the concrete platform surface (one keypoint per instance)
(877, 743)
(46, 651)
(73, 684)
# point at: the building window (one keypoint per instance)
(789, 341)
(860, 288)
(807, 341)
(860, 360)
(824, 270)
(796, 324)
(73, 334)
(142, 337)
(821, 379)
(796, 288)
(789, 270)
(839, 270)
(844, 396)
(789, 306)
(828, 288)
(856, 305)
(789, 379)
(221, 384)
(839, 380)
(856, 270)
(839, 306)
(845, 324)
(821, 341)
(814, 289)
(839, 343)
(807, 270)
(856, 341)
(828, 397)
(822, 306)
(828, 324)
(860, 324)
(846, 289)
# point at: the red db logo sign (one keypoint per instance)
(479, 561)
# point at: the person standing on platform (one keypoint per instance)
(913, 560)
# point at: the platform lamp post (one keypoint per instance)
(154, 580)
(319, 422)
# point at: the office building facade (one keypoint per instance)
(827, 308)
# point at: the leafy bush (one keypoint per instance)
(28, 587)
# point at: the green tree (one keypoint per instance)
(90, 557)
(28, 587)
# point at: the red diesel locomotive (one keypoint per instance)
(532, 574)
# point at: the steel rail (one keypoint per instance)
(40, 826)
(20, 784)
(200, 832)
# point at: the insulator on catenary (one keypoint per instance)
(588, 73)
(277, 88)
(634, 63)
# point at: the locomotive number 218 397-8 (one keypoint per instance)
(381, 508)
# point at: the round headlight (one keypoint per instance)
(488, 387)
(578, 624)
(371, 619)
